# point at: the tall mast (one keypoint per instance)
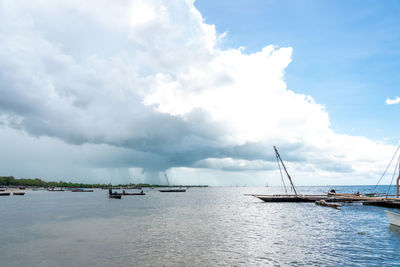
(167, 179)
(284, 167)
(280, 171)
(397, 181)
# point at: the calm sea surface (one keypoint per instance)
(202, 227)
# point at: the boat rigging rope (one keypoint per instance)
(283, 181)
(394, 172)
(373, 190)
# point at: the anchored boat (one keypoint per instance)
(112, 194)
(82, 190)
(52, 189)
(171, 189)
(287, 198)
(141, 193)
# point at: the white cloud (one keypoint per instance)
(389, 101)
(149, 77)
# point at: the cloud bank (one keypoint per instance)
(149, 77)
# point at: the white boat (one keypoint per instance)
(394, 217)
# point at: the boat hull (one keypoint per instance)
(55, 190)
(394, 217)
(287, 198)
(19, 193)
(132, 194)
(5, 194)
(384, 203)
(172, 190)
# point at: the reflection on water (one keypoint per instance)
(202, 227)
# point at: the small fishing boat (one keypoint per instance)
(286, 197)
(394, 217)
(52, 189)
(22, 187)
(82, 190)
(4, 193)
(112, 194)
(2, 189)
(18, 193)
(171, 189)
(132, 194)
(327, 204)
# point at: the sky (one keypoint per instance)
(124, 91)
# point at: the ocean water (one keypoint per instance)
(202, 227)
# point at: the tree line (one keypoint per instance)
(36, 182)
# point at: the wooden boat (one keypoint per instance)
(112, 194)
(171, 189)
(132, 194)
(330, 194)
(55, 190)
(286, 198)
(394, 217)
(117, 196)
(2, 189)
(327, 204)
(289, 198)
(384, 202)
(18, 193)
(82, 190)
(4, 193)
(22, 187)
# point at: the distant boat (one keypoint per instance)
(19, 193)
(171, 189)
(52, 189)
(82, 190)
(22, 187)
(394, 217)
(2, 189)
(4, 193)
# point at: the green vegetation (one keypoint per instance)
(36, 182)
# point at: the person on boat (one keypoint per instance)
(357, 194)
(123, 192)
(109, 191)
(141, 192)
(333, 191)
